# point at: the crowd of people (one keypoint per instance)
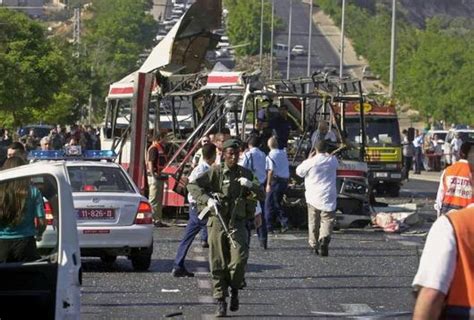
(238, 185)
(75, 135)
(427, 152)
(235, 186)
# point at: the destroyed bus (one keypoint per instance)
(309, 101)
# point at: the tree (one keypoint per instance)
(117, 32)
(31, 68)
(243, 25)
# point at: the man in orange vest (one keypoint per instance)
(155, 162)
(456, 184)
(445, 277)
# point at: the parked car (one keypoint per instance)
(298, 50)
(48, 287)
(113, 218)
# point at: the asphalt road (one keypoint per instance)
(368, 273)
(322, 53)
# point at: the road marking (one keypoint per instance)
(198, 249)
(361, 311)
(204, 284)
(208, 317)
(206, 299)
(200, 258)
(356, 308)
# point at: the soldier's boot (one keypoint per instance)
(324, 246)
(234, 300)
(221, 310)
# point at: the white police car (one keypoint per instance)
(113, 218)
(50, 286)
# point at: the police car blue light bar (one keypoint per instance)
(99, 155)
(72, 154)
(46, 155)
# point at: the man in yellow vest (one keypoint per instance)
(456, 184)
(445, 277)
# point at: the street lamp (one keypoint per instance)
(392, 52)
(271, 41)
(289, 42)
(308, 70)
(261, 34)
(341, 61)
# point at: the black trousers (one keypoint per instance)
(18, 250)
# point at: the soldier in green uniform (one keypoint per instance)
(234, 191)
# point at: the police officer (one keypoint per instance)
(230, 187)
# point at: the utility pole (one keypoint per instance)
(76, 33)
(310, 35)
(261, 34)
(271, 41)
(341, 62)
(392, 51)
(289, 42)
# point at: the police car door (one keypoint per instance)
(49, 287)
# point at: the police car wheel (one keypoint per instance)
(108, 258)
(141, 258)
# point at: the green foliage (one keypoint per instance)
(119, 31)
(243, 25)
(31, 67)
(435, 66)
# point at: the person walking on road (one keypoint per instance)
(444, 281)
(254, 160)
(231, 189)
(418, 144)
(319, 173)
(155, 162)
(278, 173)
(456, 183)
(208, 152)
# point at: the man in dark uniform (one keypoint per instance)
(233, 190)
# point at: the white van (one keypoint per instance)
(48, 287)
(280, 50)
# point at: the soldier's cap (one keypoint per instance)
(231, 143)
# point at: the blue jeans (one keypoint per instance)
(192, 229)
(273, 206)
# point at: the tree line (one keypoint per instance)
(434, 65)
(46, 78)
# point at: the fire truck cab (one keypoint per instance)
(384, 150)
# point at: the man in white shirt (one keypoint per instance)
(455, 147)
(322, 133)
(319, 173)
(443, 281)
(194, 223)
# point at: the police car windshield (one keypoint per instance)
(98, 179)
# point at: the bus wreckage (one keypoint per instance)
(171, 93)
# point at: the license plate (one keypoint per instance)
(396, 175)
(381, 174)
(95, 214)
